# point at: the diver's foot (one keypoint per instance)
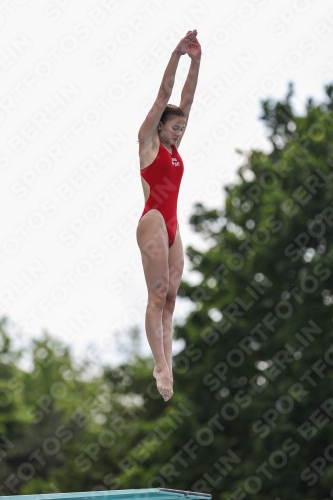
(163, 381)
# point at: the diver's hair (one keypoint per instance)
(169, 111)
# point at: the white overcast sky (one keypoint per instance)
(77, 78)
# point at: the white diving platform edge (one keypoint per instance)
(142, 494)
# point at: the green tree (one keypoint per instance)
(13, 422)
(263, 318)
(51, 421)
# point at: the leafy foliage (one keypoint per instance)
(252, 410)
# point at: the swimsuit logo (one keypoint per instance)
(175, 162)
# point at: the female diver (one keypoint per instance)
(158, 237)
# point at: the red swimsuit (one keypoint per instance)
(164, 176)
